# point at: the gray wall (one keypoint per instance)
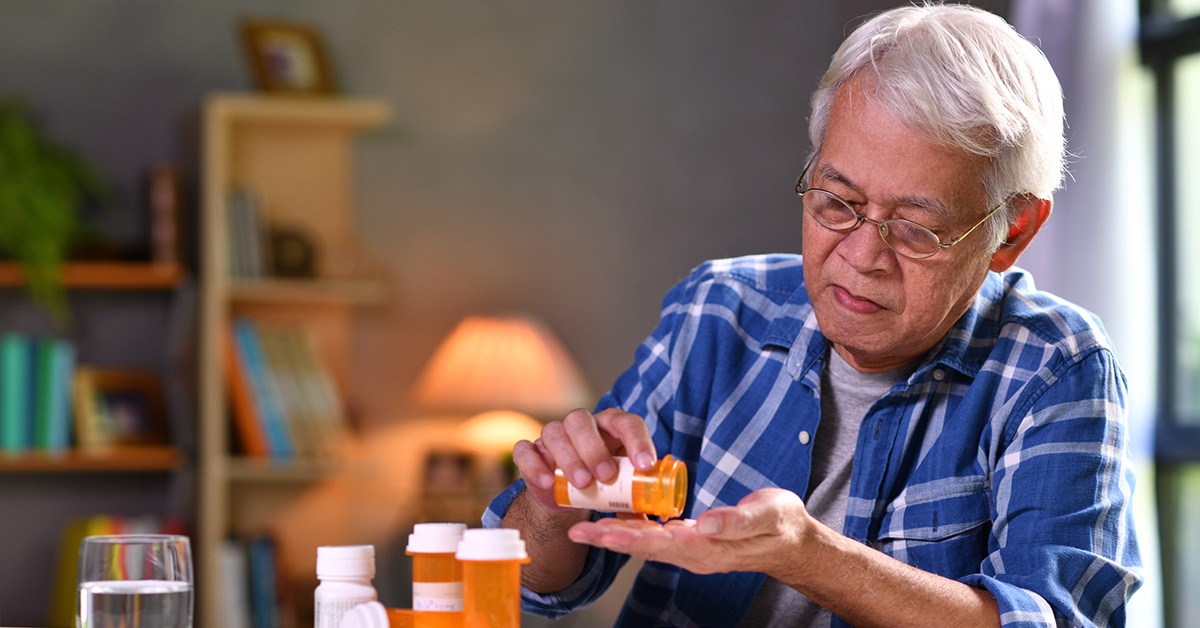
(570, 160)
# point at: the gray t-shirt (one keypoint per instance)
(846, 395)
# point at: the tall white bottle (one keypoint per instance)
(345, 572)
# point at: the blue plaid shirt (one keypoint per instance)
(1000, 462)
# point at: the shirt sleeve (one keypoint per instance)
(644, 390)
(1063, 549)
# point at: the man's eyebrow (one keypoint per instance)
(933, 206)
(829, 172)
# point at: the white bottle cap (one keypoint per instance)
(365, 615)
(346, 561)
(435, 538)
(491, 544)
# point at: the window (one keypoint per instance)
(1170, 46)
(1187, 254)
(1184, 7)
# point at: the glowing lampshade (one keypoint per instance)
(501, 363)
(495, 431)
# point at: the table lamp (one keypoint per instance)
(504, 371)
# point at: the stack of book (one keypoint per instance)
(285, 402)
(35, 394)
(249, 252)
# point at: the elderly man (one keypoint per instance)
(896, 429)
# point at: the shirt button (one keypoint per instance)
(804, 437)
(939, 374)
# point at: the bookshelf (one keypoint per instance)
(105, 275)
(295, 158)
(119, 459)
(123, 314)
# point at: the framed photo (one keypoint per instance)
(450, 487)
(449, 472)
(287, 57)
(118, 407)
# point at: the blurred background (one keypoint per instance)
(560, 165)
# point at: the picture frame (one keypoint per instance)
(287, 57)
(118, 407)
(449, 472)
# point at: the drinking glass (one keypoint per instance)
(135, 581)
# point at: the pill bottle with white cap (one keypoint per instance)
(437, 582)
(491, 563)
(345, 572)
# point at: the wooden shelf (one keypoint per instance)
(117, 459)
(309, 112)
(104, 275)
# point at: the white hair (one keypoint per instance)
(968, 81)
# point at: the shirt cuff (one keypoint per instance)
(501, 503)
(1019, 608)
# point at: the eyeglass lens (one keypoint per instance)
(904, 236)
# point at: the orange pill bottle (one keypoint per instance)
(437, 582)
(491, 563)
(660, 491)
(375, 615)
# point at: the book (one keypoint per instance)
(16, 415)
(267, 396)
(235, 584)
(93, 426)
(327, 408)
(43, 378)
(62, 595)
(248, 243)
(264, 592)
(55, 369)
(238, 237)
(283, 373)
(248, 422)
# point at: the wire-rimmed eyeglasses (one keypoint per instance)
(905, 237)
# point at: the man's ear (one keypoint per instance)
(1033, 214)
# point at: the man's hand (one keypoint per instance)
(583, 446)
(771, 532)
(762, 533)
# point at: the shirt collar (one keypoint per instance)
(965, 348)
(795, 326)
(970, 341)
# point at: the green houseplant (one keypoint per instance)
(42, 187)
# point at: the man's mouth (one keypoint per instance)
(854, 303)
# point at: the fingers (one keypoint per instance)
(534, 464)
(676, 542)
(630, 430)
(582, 445)
(765, 512)
(762, 533)
(594, 459)
(619, 532)
(574, 445)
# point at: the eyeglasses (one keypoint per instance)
(905, 237)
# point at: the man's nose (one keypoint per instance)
(864, 247)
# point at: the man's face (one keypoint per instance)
(880, 310)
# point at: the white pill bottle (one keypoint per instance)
(345, 572)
